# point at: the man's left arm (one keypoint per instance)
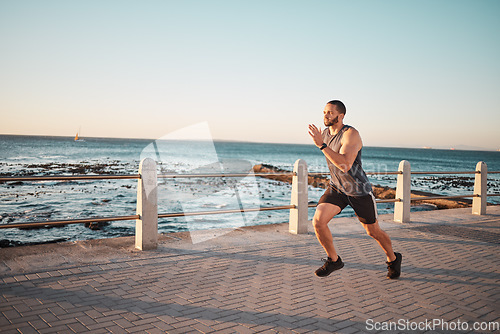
(350, 146)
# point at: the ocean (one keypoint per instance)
(23, 201)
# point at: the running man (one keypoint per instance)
(341, 144)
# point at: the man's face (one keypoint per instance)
(331, 115)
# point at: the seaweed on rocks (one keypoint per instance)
(95, 226)
(83, 168)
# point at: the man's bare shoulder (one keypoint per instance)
(352, 133)
(352, 137)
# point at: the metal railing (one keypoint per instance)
(69, 177)
(212, 212)
(68, 222)
(476, 172)
(299, 200)
(36, 224)
(222, 175)
(420, 198)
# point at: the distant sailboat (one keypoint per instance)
(78, 138)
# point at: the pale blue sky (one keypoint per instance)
(412, 73)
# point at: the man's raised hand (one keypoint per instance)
(315, 134)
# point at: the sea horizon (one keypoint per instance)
(444, 148)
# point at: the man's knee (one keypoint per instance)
(319, 222)
(373, 230)
(372, 233)
(324, 213)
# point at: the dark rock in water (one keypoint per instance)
(78, 170)
(95, 226)
(37, 227)
(383, 192)
(4, 243)
(16, 183)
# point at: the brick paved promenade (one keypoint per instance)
(259, 280)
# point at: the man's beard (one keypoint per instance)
(332, 122)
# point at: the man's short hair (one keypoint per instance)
(338, 105)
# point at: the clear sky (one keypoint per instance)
(411, 73)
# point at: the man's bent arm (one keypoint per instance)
(351, 144)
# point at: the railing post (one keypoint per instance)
(298, 215)
(480, 189)
(146, 227)
(403, 193)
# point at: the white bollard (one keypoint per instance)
(403, 192)
(146, 227)
(298, 215)
(480, 189)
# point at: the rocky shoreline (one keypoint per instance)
(379, 192)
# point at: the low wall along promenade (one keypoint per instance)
(147, 214)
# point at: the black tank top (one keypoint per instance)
(354, 182)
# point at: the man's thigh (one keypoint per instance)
(325, 212)
(365, 208)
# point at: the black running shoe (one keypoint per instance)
(329, 266)
(394, 267)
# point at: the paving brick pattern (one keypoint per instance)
(270, 287)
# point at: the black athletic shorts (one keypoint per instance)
(364, 206)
